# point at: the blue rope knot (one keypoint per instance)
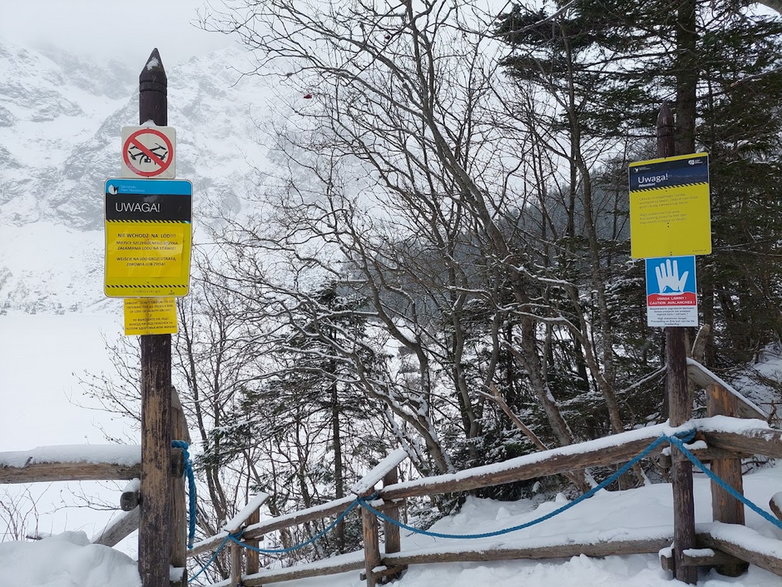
(368, 498)
(191, 489)
(686, 435)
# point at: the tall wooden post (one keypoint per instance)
(155, 533)
(679, 404)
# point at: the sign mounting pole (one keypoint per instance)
(679, 405)
(155, 532)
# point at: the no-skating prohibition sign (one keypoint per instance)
(148, 152)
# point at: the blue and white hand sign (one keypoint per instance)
(668, 280)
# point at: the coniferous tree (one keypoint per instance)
(619, 61)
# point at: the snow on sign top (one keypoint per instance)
(148, 152)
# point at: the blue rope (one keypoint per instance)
(697, 462)
(211, 560)
(235, 537)
(678, 440)
(621, 471)
(191, 490)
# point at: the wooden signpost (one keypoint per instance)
(679, 405)
(155, 525)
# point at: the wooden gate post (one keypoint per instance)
(235, 578)
(679, 404)
(154, 539)
(392, 542)
(371, 545)
(725, 507)
(179, 431)
(253, 558)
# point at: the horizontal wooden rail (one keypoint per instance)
(71, 463)
(757, 441)
(351, 562)
(751, 438)
(47, 472)
(341, 564)
(741, 542)
(730, 539)
(567, 550)
(124, 526)
(614, 449)
(701, 376)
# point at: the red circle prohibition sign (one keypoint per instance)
(147, 153)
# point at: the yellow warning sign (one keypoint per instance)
(669, 207)
(150, 316)
(148, 238)
(135, 250)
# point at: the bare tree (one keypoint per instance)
(413, 184)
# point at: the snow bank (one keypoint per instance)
(65, 560)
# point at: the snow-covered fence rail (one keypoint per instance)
(720, 439)
(704, 378)
(251, 533)
(71, 463)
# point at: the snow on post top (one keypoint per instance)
(240, 518)
(154, 62)
(381, 469)
(127, 455)
(153, 75)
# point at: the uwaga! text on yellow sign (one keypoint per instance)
(148, 238)
(669, 207)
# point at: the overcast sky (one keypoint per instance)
(126, 30)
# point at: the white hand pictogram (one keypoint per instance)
(668, 280)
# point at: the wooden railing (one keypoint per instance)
(723, 446)
(252, 532)
(110, 463)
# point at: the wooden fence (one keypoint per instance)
(722, 446)
(111, 463)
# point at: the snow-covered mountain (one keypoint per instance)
(60, 121)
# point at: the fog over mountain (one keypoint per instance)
(60, 122)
